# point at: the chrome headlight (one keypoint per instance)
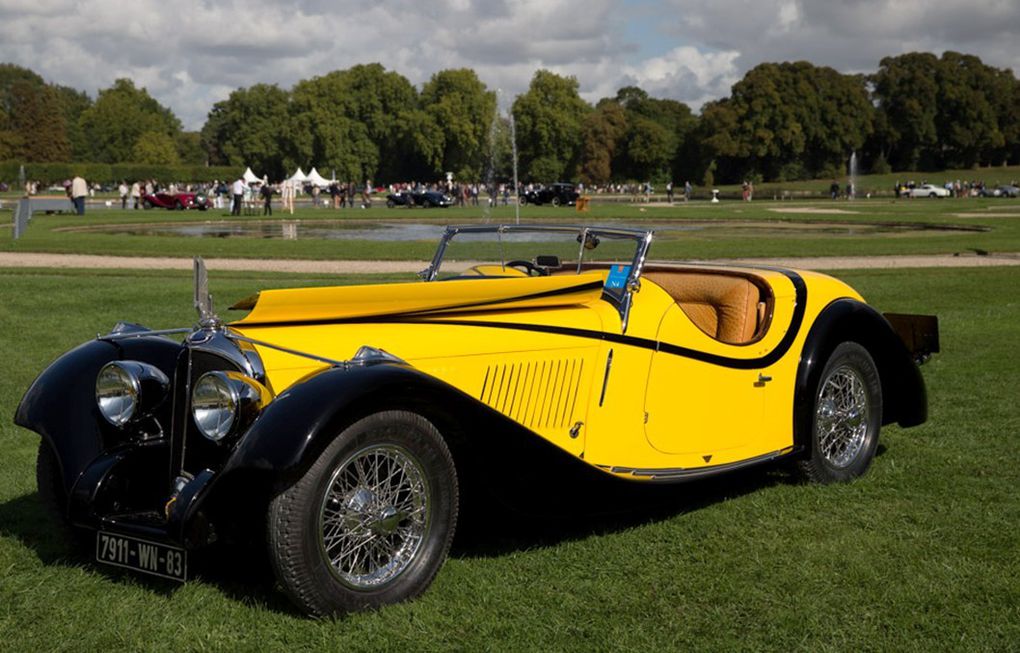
(127, 390)
(226, 402)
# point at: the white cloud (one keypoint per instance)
(192, 53)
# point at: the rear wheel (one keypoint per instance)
(846, 416)
(146, 204)
(555, 201)
(371, 521)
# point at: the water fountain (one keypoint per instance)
(513, 150)
(494, 147)
(852, 185)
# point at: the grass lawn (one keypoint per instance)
(921, 554)
(694, 230)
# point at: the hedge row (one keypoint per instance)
(50, 173)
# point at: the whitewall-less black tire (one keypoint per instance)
(370, 523)
(846, 416)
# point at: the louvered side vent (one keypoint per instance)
(538, 394)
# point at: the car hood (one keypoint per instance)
(317, 305)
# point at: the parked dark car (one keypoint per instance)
(558, 194)
(424, 198)
(1005, 190)
(177, 201)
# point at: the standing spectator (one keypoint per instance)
(834, 190)
(687, 191)
(237, 190)
(366, 195)
(315, 196)
(287, 191)
(123, 190)
(79, 189)
(136, 195)
(334, 193)
(267, 199)
(669, 191)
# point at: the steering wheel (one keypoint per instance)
(529, 267)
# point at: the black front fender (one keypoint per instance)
(60, 405)
(301, 422)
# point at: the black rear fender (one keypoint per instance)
(904, 398)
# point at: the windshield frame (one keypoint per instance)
(619, 297)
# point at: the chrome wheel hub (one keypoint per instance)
(841, 416)
(374, 516)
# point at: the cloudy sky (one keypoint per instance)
(192, 53)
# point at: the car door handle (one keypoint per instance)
(762, 380)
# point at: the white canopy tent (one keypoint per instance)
(315, 178)
(299, 176)
(249, 177)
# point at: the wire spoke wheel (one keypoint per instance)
(374, 516)
(371, 521)
(842, 416)
(845, 416)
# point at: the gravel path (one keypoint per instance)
(38, 260)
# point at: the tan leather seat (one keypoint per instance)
(725, 307)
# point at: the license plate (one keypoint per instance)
(142, 555)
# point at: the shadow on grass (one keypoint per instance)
(242, 573)
(542, 516)
(491, 527)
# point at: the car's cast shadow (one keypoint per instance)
(487, 527)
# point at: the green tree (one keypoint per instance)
(967, 120)
(549, 118)
(251, 128)
(119, 116)
(189, 148)
(155, 148)
(658, 130)
(462, 109)
(906, 93)
(359, 119)
(73, 103)
(38, 123)
(601, 133)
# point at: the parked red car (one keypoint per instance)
(178, 201)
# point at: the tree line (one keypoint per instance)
(782, 121)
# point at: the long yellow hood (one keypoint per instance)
(457, 295)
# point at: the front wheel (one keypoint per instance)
(846, 416)
(555, 201)
(370, 523)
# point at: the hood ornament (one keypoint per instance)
(207, 318)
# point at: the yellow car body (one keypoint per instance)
(348, 420)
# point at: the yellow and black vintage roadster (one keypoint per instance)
(344, 424)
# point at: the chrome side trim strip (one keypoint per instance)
(690, 473)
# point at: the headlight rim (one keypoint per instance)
(135, 391)
(248, 397)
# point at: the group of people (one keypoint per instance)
(956, 188)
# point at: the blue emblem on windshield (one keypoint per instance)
(618, 276)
